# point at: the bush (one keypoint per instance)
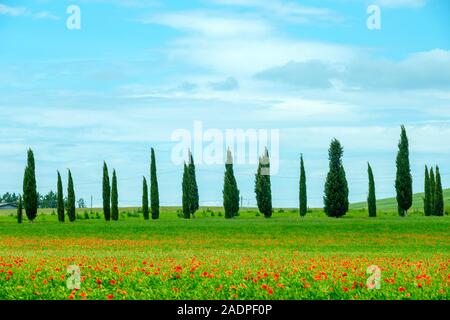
(86, 215)
(220, 214)
(97, 215)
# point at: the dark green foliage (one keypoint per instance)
(60, 199)
(30, 196)
(432, 192)
(403, 181)
(262, 185)
(302, 190)
(371, 199)
(230, 189)
(193, 188)
(427, 196)
(439, 195)
(154, 193)
(336, 186)
(186, 195)
(70, 199)
(145, 199)
(114, 198)
(106, 193)
(19, 210)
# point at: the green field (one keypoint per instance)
(209, 257)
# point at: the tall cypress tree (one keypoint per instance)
(403, 181)
(154, 193)
(186, 192)
(262, 185)
(193, 189)
(19, 210)
(230, 189)
(439, 196)
(71, 199)
(427, 196)
(336, 186)
(60, 199)
(302, 190)
(30, 195)
(371, 199)
(432, 192)
(145, 211)
(106, 193)
(114, 198)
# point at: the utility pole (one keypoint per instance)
(242, 200)
(91, 203)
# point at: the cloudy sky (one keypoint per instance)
(136, 71)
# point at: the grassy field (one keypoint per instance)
(250, 257)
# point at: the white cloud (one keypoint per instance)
(22, 11)
(209, 24)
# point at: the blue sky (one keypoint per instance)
(137, 71)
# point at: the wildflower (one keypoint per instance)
(110, 296)
(401, 289)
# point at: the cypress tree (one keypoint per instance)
(145, 199)
(106, 193)
(154, 193)
(403, 181)
(114, 198)
(262, 185)
(30, 195)
(432, 192)
(19, 210)
(230, 189)
(60, 199)
(427, 196)
(302, 190)
(439, 196)
(186, 195)
(336, 186)
(193, 188)
(70, 199)
(371, 199)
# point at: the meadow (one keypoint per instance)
(209, 257)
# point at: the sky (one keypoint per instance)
(135, 72)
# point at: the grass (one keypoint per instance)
(250, 257)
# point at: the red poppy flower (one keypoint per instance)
(110, 296)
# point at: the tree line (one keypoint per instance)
(336, 190)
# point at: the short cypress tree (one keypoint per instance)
(114, 198)
(145, 199)
(186, 196)
(427, 195)
(302, 190)
(403, 181)
(432, 192)
(336, 186)
(439, 196)
(371, 199)
(106, 193)
(19, 210)
(262, 185)
(154, 193)
(230, 189)
(30, 195)
(71, 199)
(193, 188)
(60, 199)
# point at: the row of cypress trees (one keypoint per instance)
(433, 200)
(336, 203)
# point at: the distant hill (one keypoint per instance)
(390, 204)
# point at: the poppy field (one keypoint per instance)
(250, 257)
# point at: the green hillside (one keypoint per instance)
(390, 204)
